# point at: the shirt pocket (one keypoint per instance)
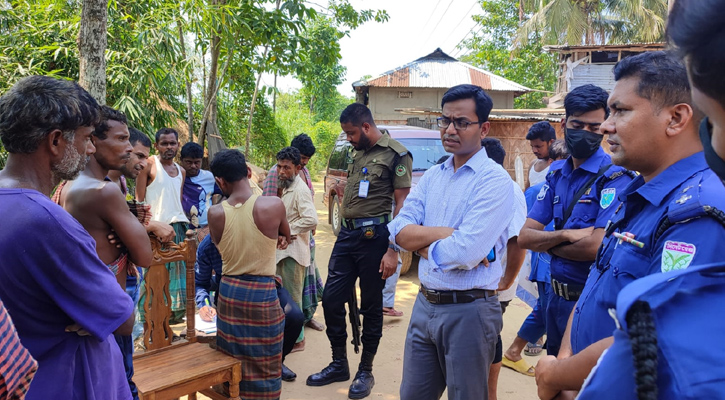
(625, 266)
(585, 212)
(378, 174)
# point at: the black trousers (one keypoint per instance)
(355, 256)
(293, 320)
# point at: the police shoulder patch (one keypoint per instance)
(607, 197)
(542, 192)
(400, 170)
(677, 255)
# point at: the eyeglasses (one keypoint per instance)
(459, 124)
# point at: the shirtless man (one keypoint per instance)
(136, 164)
(98, 204)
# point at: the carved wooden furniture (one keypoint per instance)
(166, 370)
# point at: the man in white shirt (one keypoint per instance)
(293, 261)
(541, 136)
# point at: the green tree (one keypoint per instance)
(595, 21)
(492, 49)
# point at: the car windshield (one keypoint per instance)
(426, 152)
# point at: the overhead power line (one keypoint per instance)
(437, 23)
(467, 14)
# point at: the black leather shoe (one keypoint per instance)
(287, 374)
(364, 381)
(362, 385)
(337, 371)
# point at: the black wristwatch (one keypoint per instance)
(394, 247)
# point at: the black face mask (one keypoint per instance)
(582, 143)
(717, 164)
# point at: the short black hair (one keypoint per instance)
(166, 131)
(541, 130)
(108, 114)
(304, 144)
(138, 137)
(494, 150)
(586, 98)
(558, 150)
(38, 105)
(290, 154)
(483, 101)
(192, 150)
(697, 31)
(357, 114)
(229, 165)
(662, 77)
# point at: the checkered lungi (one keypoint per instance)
(250, 327)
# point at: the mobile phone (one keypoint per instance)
(491, 257)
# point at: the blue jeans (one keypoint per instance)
(534, 326)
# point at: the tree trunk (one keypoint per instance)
(521, 10)
(189, 99)
(210, 88)
(254, 101)
(92, 42)
(254, 98)
(274, 95)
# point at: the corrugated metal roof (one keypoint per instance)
(439, 70)
(604, 47)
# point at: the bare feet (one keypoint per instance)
(314, 324)
(298, 346)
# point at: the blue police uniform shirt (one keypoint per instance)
(685, 306)
(594, 208)
(539, 261)
(676, 194)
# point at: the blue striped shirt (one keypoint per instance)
(478, 201)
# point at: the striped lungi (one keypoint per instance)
(312, 288)
(250, 327)
(177, 281)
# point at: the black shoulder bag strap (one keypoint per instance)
(581, 192)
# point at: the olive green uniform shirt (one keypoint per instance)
(389, 167)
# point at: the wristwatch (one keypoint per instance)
(394, 247)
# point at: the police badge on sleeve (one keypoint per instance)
(677, 255)
(542, 192)
(607, 197)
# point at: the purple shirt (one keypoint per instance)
(51, 278)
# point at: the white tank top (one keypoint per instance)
(537, 177)
(164, 195)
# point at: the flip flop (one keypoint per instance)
(520, 366)
(391, 312)
(533, 349)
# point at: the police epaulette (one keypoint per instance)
(687, 205)
(397, 147)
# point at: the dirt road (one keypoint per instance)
(388, 365)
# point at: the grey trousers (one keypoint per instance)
(450, 345)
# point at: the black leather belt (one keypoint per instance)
(569, 291)
(357, 223)
(455, 296)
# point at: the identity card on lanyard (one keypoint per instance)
(364, 185)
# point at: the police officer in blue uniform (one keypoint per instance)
(666, 321)
(580, 196)
(666, 220)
